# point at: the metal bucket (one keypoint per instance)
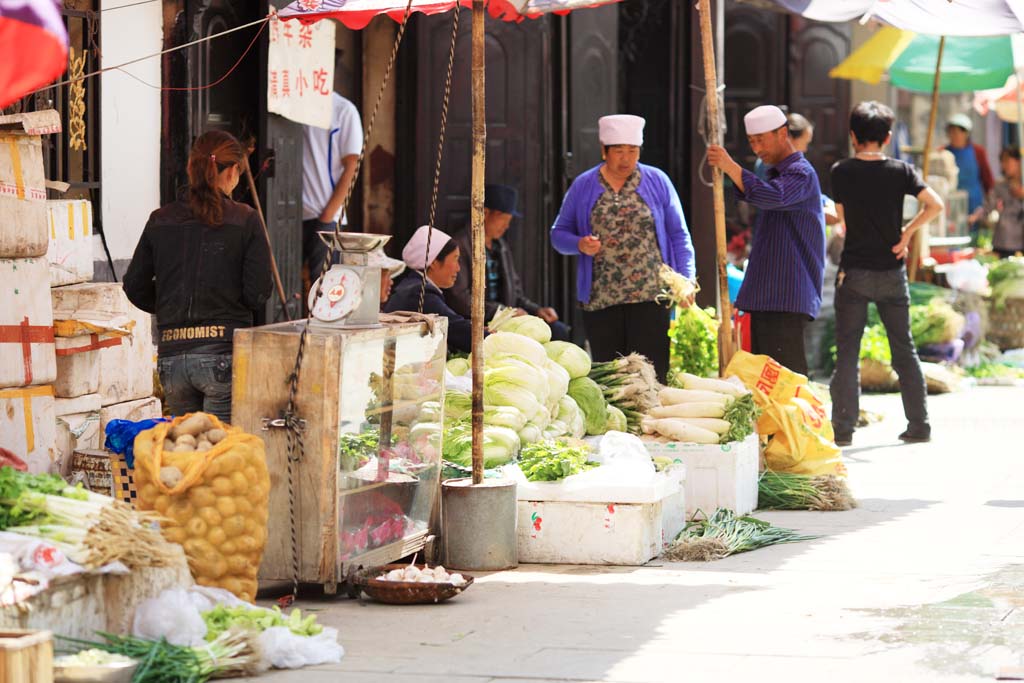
(479, 524)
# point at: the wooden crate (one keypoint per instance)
(26, 656)
(334, 399)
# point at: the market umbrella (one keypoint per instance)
(934, 17)
(33, 46)
(357, 14)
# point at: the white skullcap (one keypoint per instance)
(378, 259)
(417, 247)
(763, 119)
(621, 129)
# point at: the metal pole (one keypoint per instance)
(266, 236)
(477, 215)
(914, 259)
(726, 341)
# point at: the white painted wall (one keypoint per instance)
(130, 124)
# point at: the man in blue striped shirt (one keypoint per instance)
(782, 286)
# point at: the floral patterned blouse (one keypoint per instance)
(626, 268)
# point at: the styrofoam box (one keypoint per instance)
(717, 476)
(126, 371)
(78, 372)
(23, 185)
(609, 533)
(26, 324)
(70, 248)
(141, 409)
(29, 426)
(78, 427)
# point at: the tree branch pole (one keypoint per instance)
(266, 236)
(726, 339)
(914, 260)
(477, 226)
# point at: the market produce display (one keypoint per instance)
(90, 529)
(551, 461)
(693, 342)
(223, 618)
(723, 534)
(784, 491)
(676, 288)
(214, 501)
(1006, 279)
(629, 384)
(705, 411)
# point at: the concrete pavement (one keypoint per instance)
(923, 582)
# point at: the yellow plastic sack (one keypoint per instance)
(215, 502)
(800, 436)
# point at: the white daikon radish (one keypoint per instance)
(706, 384)
(671, 397)
(689, 410)
(710, 423)
(679, 430)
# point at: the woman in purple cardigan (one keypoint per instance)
(623, 219)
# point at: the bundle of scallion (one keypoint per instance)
(90, 529)
(725, 534)
(629, 383)
(233, 653)
(783, 491)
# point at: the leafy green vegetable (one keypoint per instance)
(529, 326)
(458, 366)
(516, 345)
(725, 534)
(501, 445)
(741, 414)
(935, 323)
(590, 399)
(693, 339)
(355, 450)
(553, 460)
(221, 618)
(571, 357)
(616, 420)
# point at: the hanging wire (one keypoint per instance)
(704, 129)
(440, 151)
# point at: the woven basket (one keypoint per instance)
(410, 593)
(1006, 324)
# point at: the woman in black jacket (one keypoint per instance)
(440, 264)
(203, 268)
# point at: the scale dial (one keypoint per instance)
(341, 294)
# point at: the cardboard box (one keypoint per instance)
(23, 183)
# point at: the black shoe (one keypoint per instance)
(916, 435)
(843, 440)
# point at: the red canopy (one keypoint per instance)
(33, 46)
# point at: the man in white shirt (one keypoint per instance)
(328, 168)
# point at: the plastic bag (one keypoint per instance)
(121, 437)
(218, 508)
(968, 276)
(282, 649)
(172, 615)
(800, 436)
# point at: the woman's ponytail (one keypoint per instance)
(212, 153)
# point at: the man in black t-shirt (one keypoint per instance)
(868, 190)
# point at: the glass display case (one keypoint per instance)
(366, 483)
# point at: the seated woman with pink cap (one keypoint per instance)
(438, 263)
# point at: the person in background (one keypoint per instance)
(782, 285)
(329, 157)
(869, 190)
(504, 286)
(389, 269)
(202, 266)
(1007, 200)
(972, 161)
(801, 133)
(440, 267)
(623, 219)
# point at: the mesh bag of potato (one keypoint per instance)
(210, 483)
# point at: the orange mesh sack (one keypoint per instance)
(210, 483)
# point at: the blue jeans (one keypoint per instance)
(888, 289)
(197, 382)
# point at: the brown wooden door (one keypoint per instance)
(815, 49)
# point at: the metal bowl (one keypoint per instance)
(103, 673)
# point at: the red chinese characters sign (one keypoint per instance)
(300, 65)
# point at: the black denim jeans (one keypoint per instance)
(197, 381)
(888, 289)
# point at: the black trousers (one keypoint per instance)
(630, 328)
(781, 336)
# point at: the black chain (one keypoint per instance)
(440, 150)
(292, 422)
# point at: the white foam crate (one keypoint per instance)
(717, 476)
(78, 427)
(70, 247)
(28, 426)
(141, 409)
(599, 533)
(26, 323)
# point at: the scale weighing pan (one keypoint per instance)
(359, 242)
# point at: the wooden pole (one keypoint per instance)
(726, 339)
(266, 236)
(914, 260)
(477, 225)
